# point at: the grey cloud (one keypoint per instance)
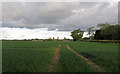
(36, 13)
(64, 16)
(98, 13)
(119, 13)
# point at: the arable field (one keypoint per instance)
(27, 56)
(59, 56)
(103, 54)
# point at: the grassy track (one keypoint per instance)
(103, 54)
(37, 56)
(70, 62)
(55, 59)
(27, 56)
(95, 66)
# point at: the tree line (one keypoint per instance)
(105, 32)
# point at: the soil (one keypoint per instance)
(94, 65)
(55, 59)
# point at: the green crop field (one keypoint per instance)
(41, 56)
(27, 56)
(70, 62)
(103, 54)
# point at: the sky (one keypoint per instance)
(43, 19)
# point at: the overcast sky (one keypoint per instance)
(60, 17)
(64, 16)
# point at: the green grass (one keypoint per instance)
(27, 56)
(103, 54)
(36, 56)
(70, 62)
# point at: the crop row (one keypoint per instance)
(70, 62)
(27, 59)
(103, 54)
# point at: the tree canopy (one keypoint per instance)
(111, 32)
(108, 32)
(77, 34)
(103, 25)
(90, 32)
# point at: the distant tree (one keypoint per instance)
(98, 35)
(111, 32)
(77, 34)
(91, 32)
(49, 39)
(119, 33)
(53, 38)
(85, 38)
(65, 38)
(36, 39)
(103, 25)
(24, 39)
(57, 39)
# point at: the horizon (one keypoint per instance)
(56, 18)
(39, 33)
(59, 36)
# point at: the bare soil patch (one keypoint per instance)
(55, 59)
(94, 65)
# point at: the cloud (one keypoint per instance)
(40, 33)
(64, 16)
(60, 0)
(35, 14)
(0, 11)
(91, 15)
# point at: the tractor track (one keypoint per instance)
(94, 65)
(55, 59)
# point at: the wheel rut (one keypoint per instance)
(94, 65)
(55, 59)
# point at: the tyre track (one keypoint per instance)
(94, 65)
(55, 59)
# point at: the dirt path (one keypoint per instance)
(89, 62)
(54, 59)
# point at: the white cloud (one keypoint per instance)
(64, 16)
(40, 33)
(60, 0)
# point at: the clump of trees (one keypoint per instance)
(77, 34)
(98, 35)
(91, 31)
(107, 32)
